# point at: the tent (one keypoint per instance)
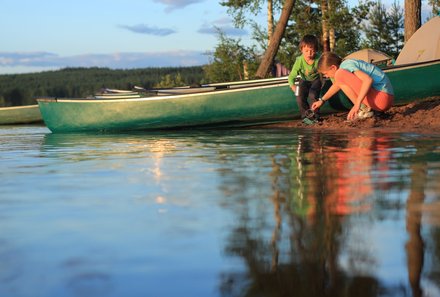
(424, 45)
(370, 55)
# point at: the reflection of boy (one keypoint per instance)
(306, 66)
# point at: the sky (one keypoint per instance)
(39, 35)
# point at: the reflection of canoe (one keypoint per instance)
(230, 104)
(20, 115)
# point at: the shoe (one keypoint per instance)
(308, 121)
(313, 116)
(362, 115)
(364, 112)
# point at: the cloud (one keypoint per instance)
(177, 4)
(224, 25)
(145, 29)
(126, 60)
(21, 58)
(227, 30)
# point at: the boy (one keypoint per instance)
(306, 67)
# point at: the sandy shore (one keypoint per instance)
(422, 116)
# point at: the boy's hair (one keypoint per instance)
(309, 40)
(328, 59)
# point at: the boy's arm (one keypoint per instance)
(295, 70)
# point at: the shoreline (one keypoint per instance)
(419, 116)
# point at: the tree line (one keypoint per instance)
(22, 89)
(341, 29)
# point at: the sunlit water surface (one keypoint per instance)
(249, 212)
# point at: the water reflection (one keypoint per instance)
(415, 244)
(327, 189)
(251, 212)
(304, 204)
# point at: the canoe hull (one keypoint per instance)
(223, 107)
(20, 115)
(415, 81)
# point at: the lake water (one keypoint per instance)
(248, 212)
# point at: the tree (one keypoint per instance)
(303, 20)
(346, 36)
(395, 26)
(325, 26)
(331, 27)
(169, 82)
(383, 30)
(435, 4)
(269, 20)
(275, 41)
(376, 33)
(413, 17)
(22, 89)
(342, 31)
(17, 97)
(230, 61)
(337, 22)
(238, 9)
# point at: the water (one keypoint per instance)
(249, 212)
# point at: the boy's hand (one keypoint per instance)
(293, 88)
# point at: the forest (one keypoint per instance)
(22, 89)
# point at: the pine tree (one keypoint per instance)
(383, 30)
(395, 27)
(376, 30)
(435, 4)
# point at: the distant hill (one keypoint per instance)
(21, 89)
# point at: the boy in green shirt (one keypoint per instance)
(309, 80)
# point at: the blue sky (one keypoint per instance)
(40, 35)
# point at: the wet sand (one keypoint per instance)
(421, 116)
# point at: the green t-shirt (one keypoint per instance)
(306, 71)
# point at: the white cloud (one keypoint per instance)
(224, 25)
(149, 30)
(177, 4)
(227, 30)
(35, 61)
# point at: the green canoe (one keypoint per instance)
(20, 115)
(232, 104)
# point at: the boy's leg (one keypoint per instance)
(301, 99)
(315, 92)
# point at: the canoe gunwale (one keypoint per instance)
(410, 65)
(18, 107)
(17, 115)
(153, 98)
